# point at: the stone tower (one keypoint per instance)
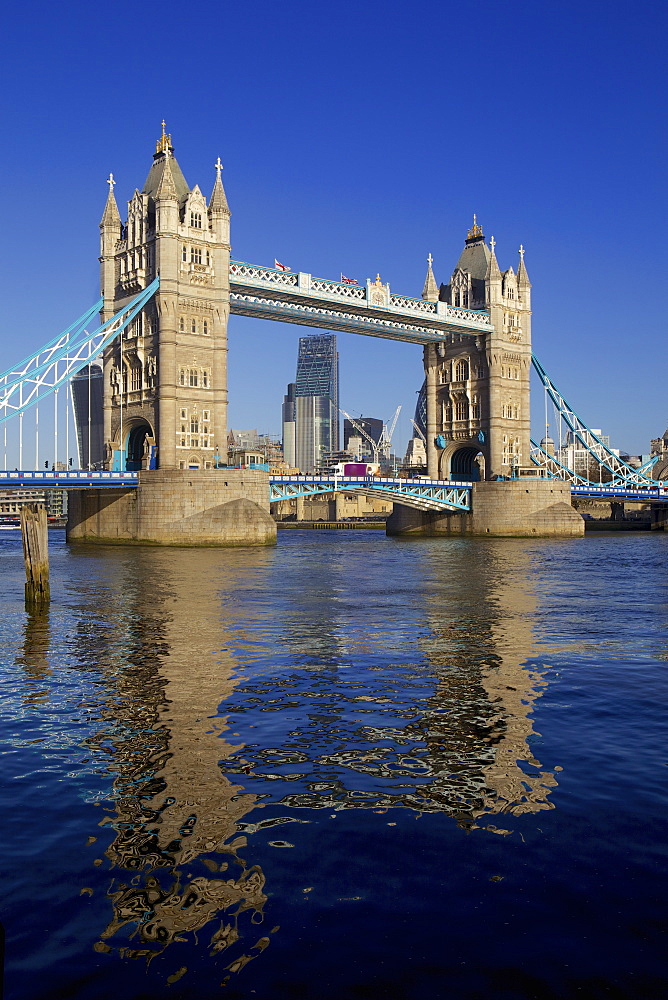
(165, 380)
(477, 387)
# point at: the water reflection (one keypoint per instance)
(376, 726)
(175, 855)
(34, 657)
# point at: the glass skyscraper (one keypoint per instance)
(316, 401)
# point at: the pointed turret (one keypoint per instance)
(166, 188)
(218, 201)
(111, 216)
(430, 292)
(493, 270)
(522, 276)
(493, 277)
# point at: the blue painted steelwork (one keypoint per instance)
(70, 479)
(644, 494)
(623, 475)
(52, 366)
(425, 494)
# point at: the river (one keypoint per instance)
(345, 767)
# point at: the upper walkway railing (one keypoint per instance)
(371, 309)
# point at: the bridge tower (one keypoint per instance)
(165, 381)
(477, 388)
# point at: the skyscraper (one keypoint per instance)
(316, 401)
(87, 393)
(289, 417)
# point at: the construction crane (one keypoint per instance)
(375, 447)
(418, 430)
(386, 436)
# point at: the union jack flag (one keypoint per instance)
(279, 266)
(348, 281)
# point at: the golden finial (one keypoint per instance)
(165, 141)
(475, 230)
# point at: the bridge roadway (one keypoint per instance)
(425, 494)
(371, 309)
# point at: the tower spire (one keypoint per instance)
(522, 276)
(430, 290)
(493, 270)
(218, 201)
(111, 215)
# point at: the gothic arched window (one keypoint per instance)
(195, 220)
(462, 371)
(193, 325)
(205, 327)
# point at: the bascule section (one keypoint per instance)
(165, 377)
(477, 386)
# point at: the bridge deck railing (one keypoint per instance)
(301, 285)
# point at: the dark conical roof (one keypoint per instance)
(155, 175)
(474, 258)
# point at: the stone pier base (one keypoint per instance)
(535, 508)
(181, 507)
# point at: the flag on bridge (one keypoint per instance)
(348, 281)
(279, 266)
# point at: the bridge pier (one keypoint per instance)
(513, 508)
(213, 507)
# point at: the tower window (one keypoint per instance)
(205, 378)
(208, 258)
(195, 220)
(182, 325)
(194, 424)
(462, 371)
(184, 253)
(184, 413)
(195, 255)
(462, 410)
(193, 326)
(193, 378)
(182, 381)
(205, 327)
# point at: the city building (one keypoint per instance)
(87, 397)
(250, 449)
(11, 502)
(316, 401)
(356, 437)
(289, 417)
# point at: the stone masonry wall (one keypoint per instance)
(177, 507)
(519, 508)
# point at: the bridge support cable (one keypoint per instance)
(620, 472)
(52, 366)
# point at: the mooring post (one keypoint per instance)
(34, 533)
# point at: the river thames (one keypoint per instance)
(345, 767)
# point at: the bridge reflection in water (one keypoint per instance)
(348, 693)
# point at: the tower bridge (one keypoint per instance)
(168, 288)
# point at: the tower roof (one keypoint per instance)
(522, 276)
(163, 159)
(492, 263)
(474, 258)
(430, 290)
(218, 202)
(111, 215)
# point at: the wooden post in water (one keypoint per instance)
(35, 554)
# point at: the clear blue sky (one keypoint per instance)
(359, 137)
